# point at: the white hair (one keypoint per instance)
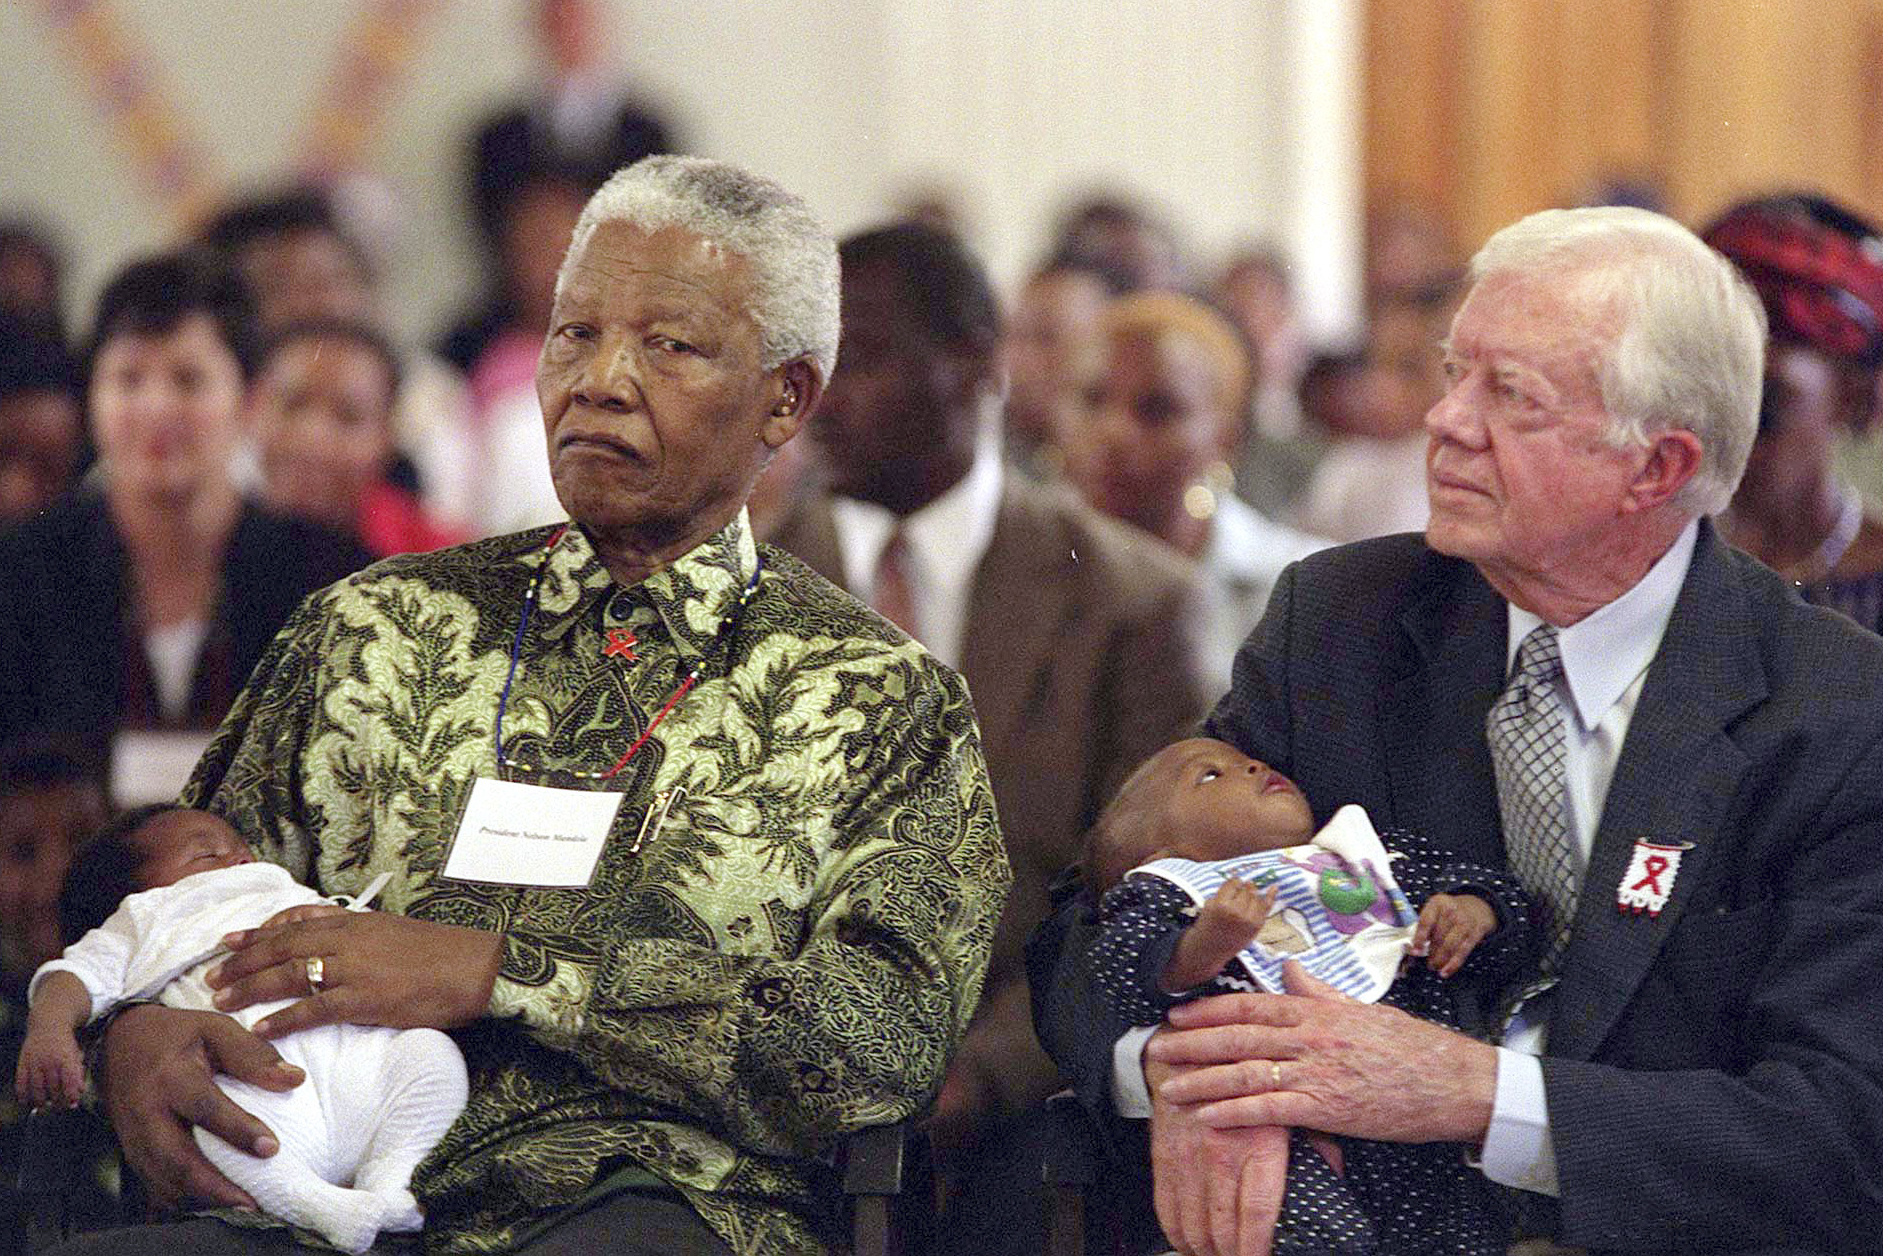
(793, 255)
(1689, 351)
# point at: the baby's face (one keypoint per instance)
(178, 844)
(1223, 803)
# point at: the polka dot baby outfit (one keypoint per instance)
(1346, 908)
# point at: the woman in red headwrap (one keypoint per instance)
(1818, 270)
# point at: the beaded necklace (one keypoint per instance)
(692, 677)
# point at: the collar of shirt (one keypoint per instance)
(691, 595)
(1604, 652)
(946, 540)
(1246, 545)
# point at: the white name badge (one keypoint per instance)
(515, 834)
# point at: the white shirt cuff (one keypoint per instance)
(1130, 1093)
(1517, 1150)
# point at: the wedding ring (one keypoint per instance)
(316, 974)
(1274, 1066)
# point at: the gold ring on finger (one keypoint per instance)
(316, 974)
(1274, 1074)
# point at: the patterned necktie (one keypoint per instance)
(1525, 729)
(892, 595)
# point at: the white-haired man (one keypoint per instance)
(1678, 756)
(697, 854)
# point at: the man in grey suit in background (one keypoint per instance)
(1706, 1074)
(1070, 628)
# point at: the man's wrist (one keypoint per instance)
(91, 1040)
(485, 956)
(1479, 1105)
(1131, 1096)
(1516, 1149)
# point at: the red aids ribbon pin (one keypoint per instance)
(1649, 881)
(621, 642)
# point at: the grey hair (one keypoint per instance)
(793, 255)
(1689, 351)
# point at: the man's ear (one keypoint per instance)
(797, 387)
(1673, 459)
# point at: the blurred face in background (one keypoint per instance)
(1139, 251)
(1051, 343)
(1407, 248)
(303, 275)
(569, 32)
(167, 410)
(1255, 294)
(322, 423)
(1809, 398)
(40, 826)
(39, 450)
(1152, 424)
(29, 281)
(901, 402)
(1403, 374)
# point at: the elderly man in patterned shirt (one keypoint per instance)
(695, 854)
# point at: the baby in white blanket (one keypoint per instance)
(375, 1101)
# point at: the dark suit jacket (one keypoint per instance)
(1074, 651)
(1715, 1074)
(64, 622)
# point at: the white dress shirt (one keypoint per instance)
(1241, 561)
(1605, 663)
(946, 540)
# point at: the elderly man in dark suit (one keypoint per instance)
(1069, 626)
(1683, 760)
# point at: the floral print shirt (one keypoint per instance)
(791, 956)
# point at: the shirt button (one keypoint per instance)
(617, 609)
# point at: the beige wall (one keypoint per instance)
(1489, 109)
(1240, 119)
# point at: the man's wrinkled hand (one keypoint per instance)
(1325, 1062)
(159, 1065)
(375, 969)
(1218, 1192)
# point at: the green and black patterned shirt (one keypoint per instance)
(792, 956)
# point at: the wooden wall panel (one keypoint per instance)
(1494, 108)
(1412, 87)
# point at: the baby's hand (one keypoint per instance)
(1236, 909)
(1224, 925)
(1450, 928)
(51, 1072)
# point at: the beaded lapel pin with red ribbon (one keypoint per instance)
(1649, 881)
(621, 643)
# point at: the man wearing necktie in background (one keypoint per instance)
(1070, 628)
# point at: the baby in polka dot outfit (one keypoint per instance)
(1204, 800)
